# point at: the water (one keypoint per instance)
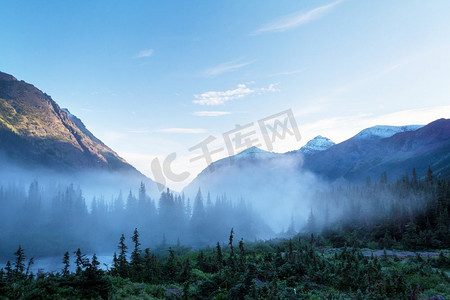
(54, 264)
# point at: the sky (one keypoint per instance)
(151, 78)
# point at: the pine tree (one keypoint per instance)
(94, 263)
(291, 251)
(142, 196)
(231, 258)
(185, 275)
(115, 266)
(149, 266)
(201, 261)
(198, 215)
(136, 257)
(311, 226)
(241, 255)
(131, 203)
(66, 262)
(188, 209)
(230, 242)
(219, 256)
(291, 229)
(122, 258)
(9, 270)
(19, 266)
(81, 261)
(170, 267)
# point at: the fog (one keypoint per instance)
(49, 213)
(275, 185)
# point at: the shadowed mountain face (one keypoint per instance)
(370, 155)
(394, 149)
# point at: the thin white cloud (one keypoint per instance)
(296, 19)
(209, 113)
(145, 53)
(182, 130)
(212, 98)
(226, 67)
(287, 73)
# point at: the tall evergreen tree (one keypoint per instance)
(122, 258)
(19, 265)
(136, 256)
(219, 256)
(66, 262)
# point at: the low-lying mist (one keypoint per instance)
(47, 214)
(275, 186)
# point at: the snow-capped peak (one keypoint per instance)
(319, 143)
(384, 131)
(251, 152)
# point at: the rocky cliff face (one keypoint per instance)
(35, 131)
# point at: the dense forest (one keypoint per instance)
(408, 214)
(51, 219)
(326, 259)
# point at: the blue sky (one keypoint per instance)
(154, 77)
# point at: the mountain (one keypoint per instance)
(230, 170)
(383, 131)
(394, 149)
(35, 133)
(319, 143)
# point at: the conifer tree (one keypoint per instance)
(81, 261)
(94, 263)
(19, 266)
(122, 258)
(186, 271)
(115, 264)
(311, 225)
(219, 256)
(170, 267)
(241, 255)
(291, 228)
(9, 270)
(66, 262)
(135, 255)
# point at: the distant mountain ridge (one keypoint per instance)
(394, 149)
(384, 131)
(371, 154)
